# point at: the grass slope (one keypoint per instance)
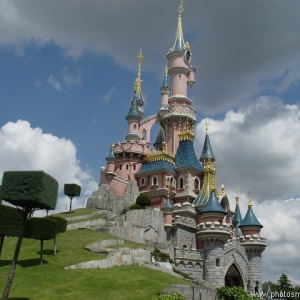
(50, 280)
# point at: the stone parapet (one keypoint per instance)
(253, 242)
(213, 231)
(184, 221)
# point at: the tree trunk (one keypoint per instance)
(16, 255)
(42, 251)
(1, 243)
(54, 250)
(71, 198)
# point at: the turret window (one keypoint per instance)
(143, 181)
(127, 166)
(181, 183)
(196, 184)
(217, 262)
(120, 167)
(134, 167)
(154, 180)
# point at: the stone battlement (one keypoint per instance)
(252, 239)
(180, 220)
(213, 226)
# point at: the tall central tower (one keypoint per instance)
(177, 109)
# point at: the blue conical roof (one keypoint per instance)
(237, 219)
(133, 111)
(165, 84)
(168, 204)
(207, 151)
(213, 204)
(160, 137)
(250, 219)
(111, 155)
(186, 156)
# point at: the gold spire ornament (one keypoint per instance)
(138, 81)
(180, 7)
(237, 198)
(206, 126)
(250, 202)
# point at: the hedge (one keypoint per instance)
(41, 228)
(72, 189)
(61, 225)
(10, 220)
(30, 189)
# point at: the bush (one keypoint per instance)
(161, 255)
(72, 189)
(175, 296)
(134, 206)
(41, 228)
(233, 293)
(10, 221)
(62, 223)
(143, 200)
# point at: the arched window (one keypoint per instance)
(127, 166)
(134, 127)
(144, 134)
(134, 167)
(181, 183)
(196, 184)
(143, 181)
(154, 180)
(120, 167)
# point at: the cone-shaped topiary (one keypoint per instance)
(143, 200)
(31, 189)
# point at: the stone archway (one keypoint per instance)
(233, 277)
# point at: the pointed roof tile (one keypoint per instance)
(207, 151)
(250, 219)
(213, 204)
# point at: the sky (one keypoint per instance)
(67, 70)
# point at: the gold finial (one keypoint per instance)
(138, 81)
(166, 70)
(112, 147)
(237, 198)
(168, 185)
(181, 8)
(250, 202)
(206, 126)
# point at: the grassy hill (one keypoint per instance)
(50, 281)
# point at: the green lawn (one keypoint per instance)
(50, 280)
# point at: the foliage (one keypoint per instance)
(284, 284)
(184, 275)
(162, 256)
(29, 189)
(41, 228)
(233, 293)
(10, 220)
(72, 189)
(143, 200)
(175, 296)
(134, 206)
(61, 223)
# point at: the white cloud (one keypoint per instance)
(108, 95)
(257, 148)
(25, 148)
(72, 78)
(54, 83)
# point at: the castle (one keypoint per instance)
(210, 241)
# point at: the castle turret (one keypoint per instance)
(165, 93)
(237, 218)
(168, 214)
(212, 233)
(111, 159)
(136, 110)
(254, 245)
(208, 162)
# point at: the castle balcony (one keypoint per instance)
(253, 242)
(179, 110)
(213, 232)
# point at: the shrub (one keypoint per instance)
(162, 256)
(134, 206)
(143, 200)
(10, 221)
(175, 296)
(233, 293)
(72, 189)
(41, 228)
(61, 225)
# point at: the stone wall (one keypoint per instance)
(254, 270)
(105, 198)
(192, 292)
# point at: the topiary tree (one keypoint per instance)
(72, 190)
(10, 222)
(41, 229)
(61, 227)
(143, 200)
(29, 190)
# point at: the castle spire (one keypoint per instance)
(179, 40)
(137, 87)
(237, 219)
(207, 153)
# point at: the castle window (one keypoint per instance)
(154, 180)
(143, 181)
(134, 167)
(181, 183)
(217, 262)
(144, 134)
(127, 166)
(196, 184)
(120, 167)
(134, 127)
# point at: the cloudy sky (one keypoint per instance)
(66, 75)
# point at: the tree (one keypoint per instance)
(41, 229)
(61, 227)
(72, 190)
(143, 200)
(29, 190)
(284, 284)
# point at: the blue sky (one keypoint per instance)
(66, 80)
